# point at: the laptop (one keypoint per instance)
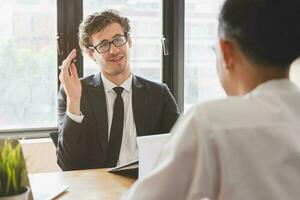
(149, 149)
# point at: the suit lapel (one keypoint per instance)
(139, 105)
(98, 100)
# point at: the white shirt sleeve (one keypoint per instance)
(180, 165)
(76, 118)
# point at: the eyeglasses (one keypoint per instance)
(105, 46)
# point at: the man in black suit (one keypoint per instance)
(101, 115)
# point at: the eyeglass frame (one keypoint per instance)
(110, 42)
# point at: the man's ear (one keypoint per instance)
(227, 51)
(90, 53)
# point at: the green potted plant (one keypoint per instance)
(13, 173)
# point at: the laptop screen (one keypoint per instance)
(149, 149)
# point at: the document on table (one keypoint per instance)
(41, 193)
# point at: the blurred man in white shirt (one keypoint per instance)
(246, 146)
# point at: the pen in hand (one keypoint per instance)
(73, 61)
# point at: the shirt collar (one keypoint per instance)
(108, 85)
(276, 85)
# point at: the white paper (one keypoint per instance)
(149, 149)
(49, 193)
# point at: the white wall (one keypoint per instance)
(40, 155)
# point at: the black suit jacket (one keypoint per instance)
(83, 145)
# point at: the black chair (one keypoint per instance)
(54, 137)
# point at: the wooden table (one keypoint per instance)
(83, 184)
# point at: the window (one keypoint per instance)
(146, 31)
(200, 80)
(28, 64)
(28, 52)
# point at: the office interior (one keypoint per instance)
(172, 43)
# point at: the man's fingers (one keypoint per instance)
(62, 77)
(68, 71)
(64, 74)
(65, 71)
(66, 63)
(71, 56)
(74, 71)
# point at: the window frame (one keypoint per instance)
(173, 64)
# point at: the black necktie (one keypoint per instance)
(116, 130)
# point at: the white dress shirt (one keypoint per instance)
(129, 149)
(236, 148)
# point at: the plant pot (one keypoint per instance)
(22, 196)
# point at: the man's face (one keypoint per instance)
(115, 61)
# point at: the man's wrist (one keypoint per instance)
(73, 107)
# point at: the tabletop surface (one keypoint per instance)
(82, 184)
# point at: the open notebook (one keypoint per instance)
(128, 166)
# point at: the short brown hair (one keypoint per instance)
(97, 22)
